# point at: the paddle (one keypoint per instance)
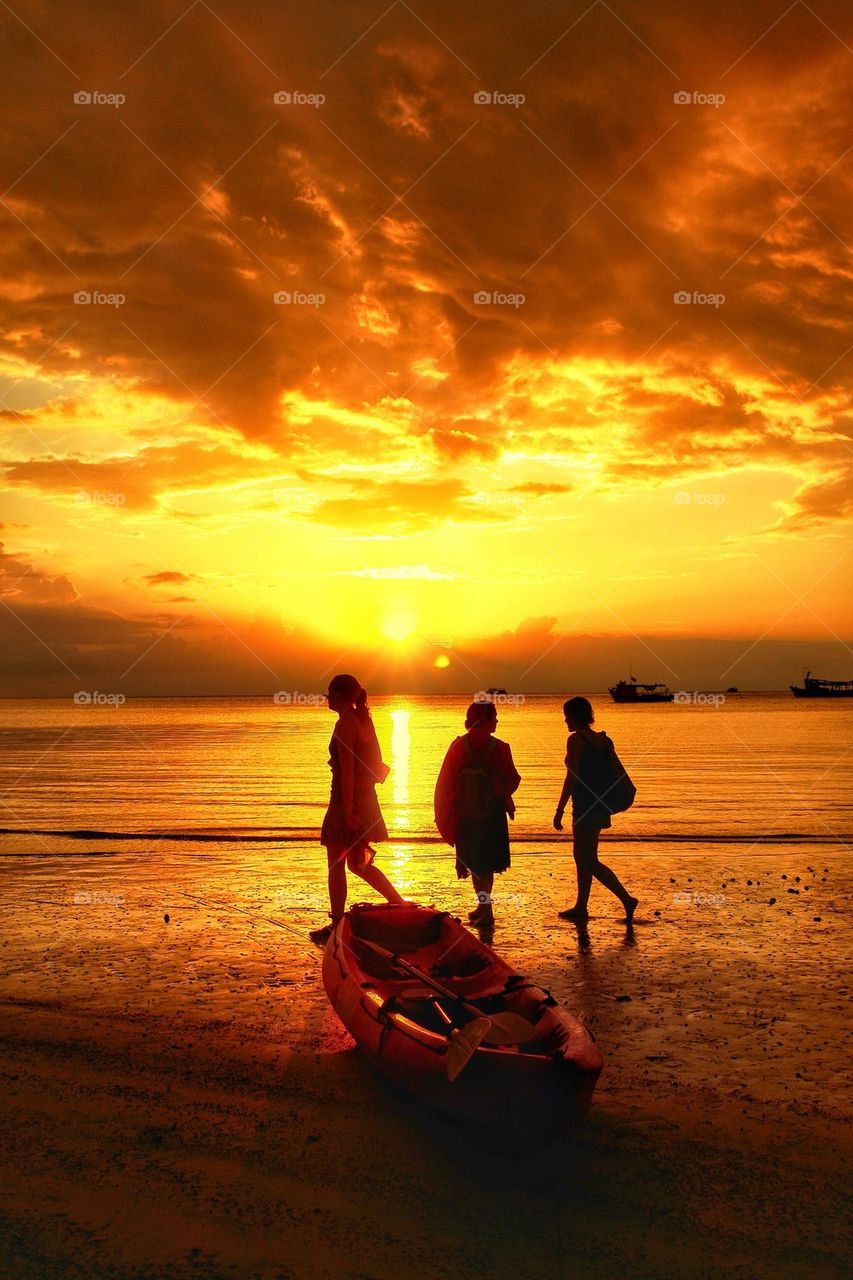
(503, 1029)
(463, 1043)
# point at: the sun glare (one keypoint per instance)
(399, 625)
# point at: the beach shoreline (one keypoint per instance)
(179, 1098)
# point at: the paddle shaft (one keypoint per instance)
(424, 977)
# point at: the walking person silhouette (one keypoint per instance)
(592, 771)
(473, 795)
(353, 818)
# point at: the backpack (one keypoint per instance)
(612, 784)
(474, 794)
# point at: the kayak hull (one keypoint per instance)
(537, 1089)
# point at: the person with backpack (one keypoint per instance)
(599, 786)
(473, 795)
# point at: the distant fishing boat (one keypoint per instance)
(494, 691)
(632, 691)
(814, 688)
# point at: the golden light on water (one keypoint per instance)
(401, 746)
(400, 751)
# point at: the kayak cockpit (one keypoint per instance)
(427, 939)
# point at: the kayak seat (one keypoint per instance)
(402, 932)
(463, 967)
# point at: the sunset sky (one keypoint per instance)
(205, 489)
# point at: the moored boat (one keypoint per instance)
(632, 691)
(814, 688)
(533, 1089)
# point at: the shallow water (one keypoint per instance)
(759, 770)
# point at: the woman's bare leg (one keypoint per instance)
(605, 875)
(380, 882)
(484, 913)
(337, 882)
(585, 850)
(584, 877)
(483, 886)
(587, 866)
(611, 881)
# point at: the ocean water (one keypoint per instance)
(757, 771)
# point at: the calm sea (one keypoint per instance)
(757, 770)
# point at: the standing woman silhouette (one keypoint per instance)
(585, 750)
(353, 818)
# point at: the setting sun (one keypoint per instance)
(399, 625)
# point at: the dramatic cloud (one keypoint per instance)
(552, 301)
(19, 581)
(167, 576)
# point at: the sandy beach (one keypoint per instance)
(180, 1100)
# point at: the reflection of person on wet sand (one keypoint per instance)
(589, 777)
(473, 796)
(353, 818)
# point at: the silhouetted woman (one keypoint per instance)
(587, 774)
(473, 796)
(353, 818)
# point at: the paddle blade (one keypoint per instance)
(509, 1028)
(463, 1045)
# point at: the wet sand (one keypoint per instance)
(179, 1099)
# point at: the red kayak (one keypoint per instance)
(439, 1043)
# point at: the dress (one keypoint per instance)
(360, 768)
(589, 758)
(482, 844)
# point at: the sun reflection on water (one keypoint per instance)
(401, 745)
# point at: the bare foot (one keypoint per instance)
(578, 914)
(630, 908)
